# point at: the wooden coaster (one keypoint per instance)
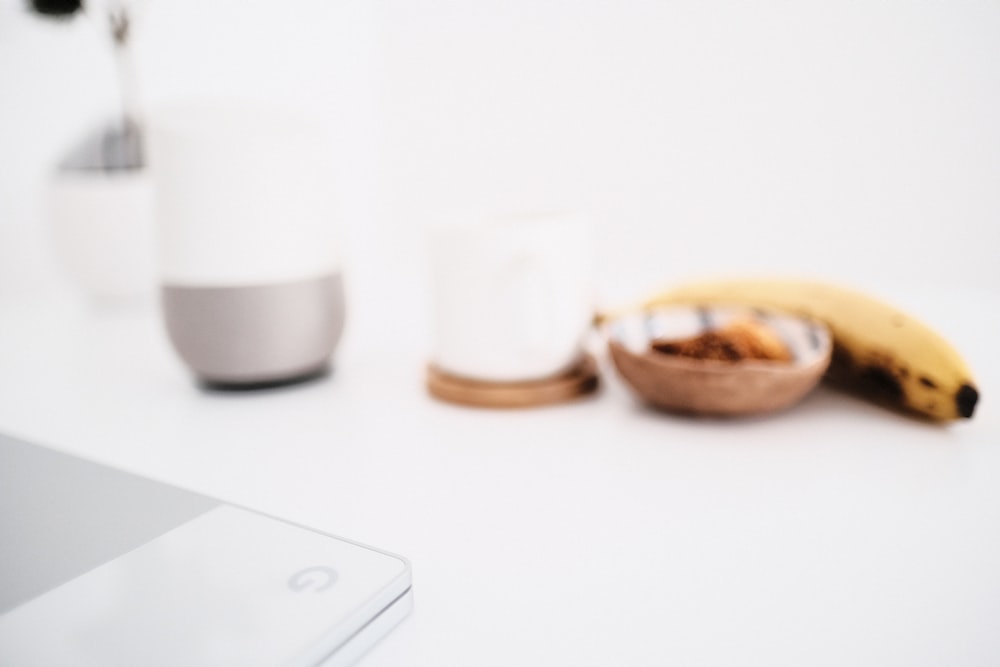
(576, 382)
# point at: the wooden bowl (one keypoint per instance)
(713, 387)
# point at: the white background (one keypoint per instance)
(854, 141)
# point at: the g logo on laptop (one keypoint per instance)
(317, 579)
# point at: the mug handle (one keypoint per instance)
(527, 286)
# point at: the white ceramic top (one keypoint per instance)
(242, 195)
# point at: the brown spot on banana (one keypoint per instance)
(872, 375)
(883, 384)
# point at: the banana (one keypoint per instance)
(879, 351)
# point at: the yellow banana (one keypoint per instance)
(878, 350)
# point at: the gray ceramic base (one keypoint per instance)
(252, 335)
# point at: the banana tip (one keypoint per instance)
(966, 399)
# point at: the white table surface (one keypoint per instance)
(595, 533)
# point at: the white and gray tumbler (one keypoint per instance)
(251, 280)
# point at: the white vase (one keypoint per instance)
(100, 210)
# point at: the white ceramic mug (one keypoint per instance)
(512, 296)
(100, 208)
